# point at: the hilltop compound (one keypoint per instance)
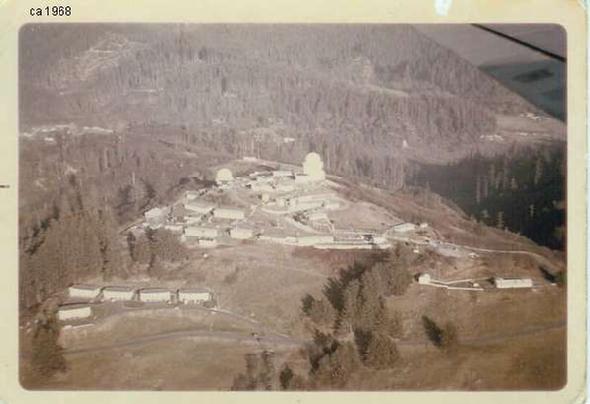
(287, 205)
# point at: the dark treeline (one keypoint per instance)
(523, 191)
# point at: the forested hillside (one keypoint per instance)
(379, 86)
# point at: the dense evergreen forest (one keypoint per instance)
(379, 86)
(523, 191)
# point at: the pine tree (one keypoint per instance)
(538, 171)
(381, 352)
(400, 279)
(500, 220)
(47, 356)
(286, 377)
(132, 245)
(450, 338)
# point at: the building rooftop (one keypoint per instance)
(242, 226)
(85, 287)
(194, 290)
(200, 203)
(72, 306)
(154, 290)
(119, 288)
(179, 211)
(232, 208)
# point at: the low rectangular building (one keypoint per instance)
(194, 219)
(156, 217)
(194, 295)
(404, 227)
(174, 228)
(302, 206)
(200, 232)
(315, 239)
(317, 216)
(264, 187)
(317, 196)
(282, 187)
(73, 312)
(84, 291)
(155, 295)
(282, 174)
(303, 179)
(118, 293)
(229, 213)
(200, 207)
(191, 195)
(511, 283)
(241, 233)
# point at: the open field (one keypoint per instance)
(180, 364)
(522, 362)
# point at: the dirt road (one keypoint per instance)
(227, 336)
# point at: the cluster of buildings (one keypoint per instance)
(127, 293)
(202, 222)
(469, 284)
(296, 196)
(191, 220)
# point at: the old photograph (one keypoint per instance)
(292, 207)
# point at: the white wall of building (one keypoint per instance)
(424, 279)
(194, 231)
(155, 296)
(154, 213)
(199, 207)
(187, 296)
(510, 283)
(118, 294)
(175, 228)
(282, 173)
(64, 314)
(241, 233)
(316, 239)
(404, 227)
(83, 292)
(227, 213)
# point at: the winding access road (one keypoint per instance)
(227, 336)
